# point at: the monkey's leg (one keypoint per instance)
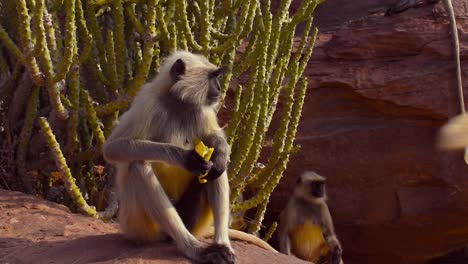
(189, 204)
(217, 192)
(150, 194)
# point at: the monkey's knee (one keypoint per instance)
(139, 167)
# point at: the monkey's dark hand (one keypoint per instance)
(336, 255)
(214, 173)
(218, 254)
(196, 163)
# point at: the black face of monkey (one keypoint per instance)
(317, 188)
(214, 91)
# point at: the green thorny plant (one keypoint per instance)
(80, 62)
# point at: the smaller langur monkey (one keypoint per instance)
(305, 226)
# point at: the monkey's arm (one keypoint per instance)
(128, 150)
(220, 156)
(330, 237)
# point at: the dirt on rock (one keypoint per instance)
(33, 230)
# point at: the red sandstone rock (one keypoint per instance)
(380, 88)
(36, 231)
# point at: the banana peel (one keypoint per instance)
(205, 152)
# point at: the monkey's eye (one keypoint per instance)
(217, 73)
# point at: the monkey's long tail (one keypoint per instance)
(239, 235)
(456, 46)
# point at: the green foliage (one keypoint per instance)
(88, 58)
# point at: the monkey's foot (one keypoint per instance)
(217, 254)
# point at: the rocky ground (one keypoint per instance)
(36, 231)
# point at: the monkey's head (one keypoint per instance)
(311, 187)
(194, 80)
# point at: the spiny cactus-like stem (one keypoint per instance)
(280, 71)
(184, 25)
(58, 41)
(111, 59)
(205, 26)
(262, 119)
(119, 40)
(276, 33)
(74, 95)
(136, 24)
(162, 27)
(25, 136)
(26, 42)
(50, 34)
(236, 106)
(116, 105)
(10, 45)
(70, 41)
(68, 179)
(83, 33)
(270, 231)
(96, 33)
(273, 180)
(110, 123)
(247, 15)
(87, 103)
(254, 227)
(142, 71)
(228, 61)
(239, 156)
(53, 87)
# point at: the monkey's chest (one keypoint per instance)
(173, 179)
(307, 242)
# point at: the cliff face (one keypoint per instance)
(380, 88)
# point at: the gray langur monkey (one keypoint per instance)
(156, 165)
(305, 225)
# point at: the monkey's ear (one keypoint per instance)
(177, 70)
